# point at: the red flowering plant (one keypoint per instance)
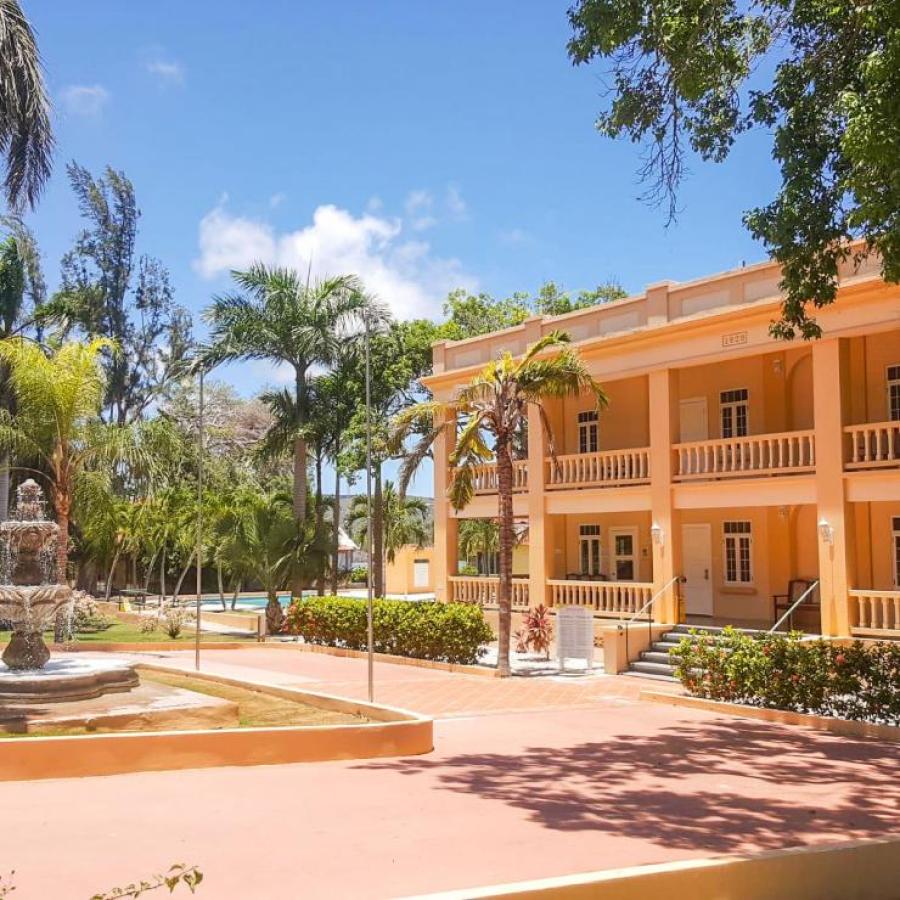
(536, 632)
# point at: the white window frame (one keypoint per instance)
(733, 406)
(590, 549)
(588, 431)
(895, 545)
(731, 545)
(891, 385)
(614, 557)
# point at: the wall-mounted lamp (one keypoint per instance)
(826, 532)
(658, 535)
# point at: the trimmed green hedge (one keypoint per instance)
(446, 632)
(858, 681)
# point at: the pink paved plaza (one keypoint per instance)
(529, 778)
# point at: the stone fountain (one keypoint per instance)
(30, 598)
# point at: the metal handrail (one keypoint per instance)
(793, 606)
(649, 603)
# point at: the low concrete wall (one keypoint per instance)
(861, 870)
(845, 727)
(619, 650)
(397, 733)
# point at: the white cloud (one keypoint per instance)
(403, 273)
(419, 205)
(277, 199)
(455, 203)
(166, 71)
(84, 100)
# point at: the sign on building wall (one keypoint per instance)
(735, 339)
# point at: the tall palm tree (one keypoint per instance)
(56, 427)
(26, 138)
(281, 317)
(405, 521)
(494, 411)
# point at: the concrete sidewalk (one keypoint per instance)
(592, 782)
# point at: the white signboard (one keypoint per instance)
(575, 635)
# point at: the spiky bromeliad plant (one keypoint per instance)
(494, 410)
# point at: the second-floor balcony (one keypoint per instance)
(872, 446)
(608, 468)
(789, 452)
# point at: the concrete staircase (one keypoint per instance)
(655, 662)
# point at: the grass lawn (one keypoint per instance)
(255, 709)
(130, 633)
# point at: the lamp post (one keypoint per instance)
(199, 519)
(369, 585)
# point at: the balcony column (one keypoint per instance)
(666, 543)
(540, 535)
(446, 540)
(837, 555)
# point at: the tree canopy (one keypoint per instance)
(689, 75)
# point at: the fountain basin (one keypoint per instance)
(65, 679)
(30, 608)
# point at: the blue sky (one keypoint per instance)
(421, 145)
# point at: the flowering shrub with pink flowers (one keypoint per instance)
(857, 681)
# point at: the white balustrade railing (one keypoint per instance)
(484, 477)
(608, 467)
(874, 612)
(762, 454)
(482, 590)
(613, 599)
(873, 445)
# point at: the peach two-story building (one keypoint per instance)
(729, 468)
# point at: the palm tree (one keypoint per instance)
(478, 538)
(282, 318)
(26, 137)
(261, 540)
(405, 521)
(494, 410)
(57, 426)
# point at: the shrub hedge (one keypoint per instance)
(445, 632)
(858, 681)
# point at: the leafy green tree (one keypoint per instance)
(26, 136)
(690, 76)
(12, 288)
(405, 522)
(551, 300)
(56, 428)
(493, 408)
(469, 315)
(106, 291)
(399, 357)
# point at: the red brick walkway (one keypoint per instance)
(430, 691)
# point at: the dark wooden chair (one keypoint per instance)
(796, 588)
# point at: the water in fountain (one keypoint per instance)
(30, 596)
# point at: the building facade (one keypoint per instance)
(743, 468)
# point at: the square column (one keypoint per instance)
(666, 545)
(446, 525)
(540, 535)
(834, 537)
